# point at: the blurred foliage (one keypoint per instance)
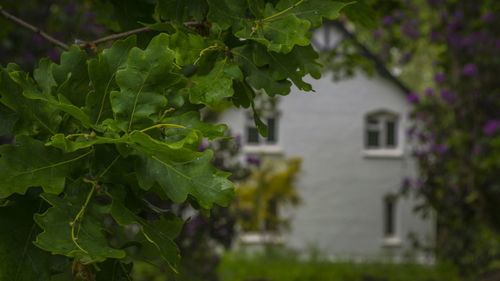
(66, 20)
(447, 52)
(270, 187)
(287, 265)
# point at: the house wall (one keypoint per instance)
(342, 188)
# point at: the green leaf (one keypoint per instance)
(81, 141)
(178, 175)
(34, 116)
(181, 10)
(31, 91)
(147, 76)
(20, 260)
(278, 34)
(43, 75)
(210, 89)
(301, 61)
(314, 11)
(261, 126)
(192, 120)
(56, 236)
(102, 74)
(259, 78)
(71, 76)
(226, 12)
(187, 47)
(8, 118)
(243, 94)
(30, 163)
(160, 233)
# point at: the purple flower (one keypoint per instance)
(53, 55)
(470, 70)
(203, 145)
(491, 127)
(192, 225)
(409, 28)
(443, 15)
(28, 56)
(387, 20)
(410, 132)
(439, 78)
(405, 58)
(37, 39)
(252, 159)
(435, 36)
(488, 17)
(448, 96)
(237, 138)
(429, 91)
(476, 149)
(398, 15)
(70, 8)
(413, 98)
(440, 149)
(90, 16)
(377, 33)
(406, 181)
(459, 15)
(222, 232)
(420, 116)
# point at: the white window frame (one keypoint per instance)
(383, 150)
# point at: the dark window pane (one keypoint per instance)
(391, 133)
(252, 135)
(389, 217)
(372, 139)
(271, 130)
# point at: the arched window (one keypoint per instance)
(381, 130)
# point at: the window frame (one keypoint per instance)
(376, 122)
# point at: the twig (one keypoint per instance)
(126, 34)
(24, 24)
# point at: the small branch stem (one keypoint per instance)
(35, 29)
(284, 11)
(163, 125)
(126, 34)
(79, 217)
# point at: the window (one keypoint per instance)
(252, 133)
(390, 216)
(381, 131)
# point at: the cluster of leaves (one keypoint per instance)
(448, 51)
(96, 137)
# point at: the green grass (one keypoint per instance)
(287, 267)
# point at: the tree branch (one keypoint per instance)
(24, 24)
(92, 44)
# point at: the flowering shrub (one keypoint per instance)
(454, 68)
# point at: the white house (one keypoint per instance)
(351, 137)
